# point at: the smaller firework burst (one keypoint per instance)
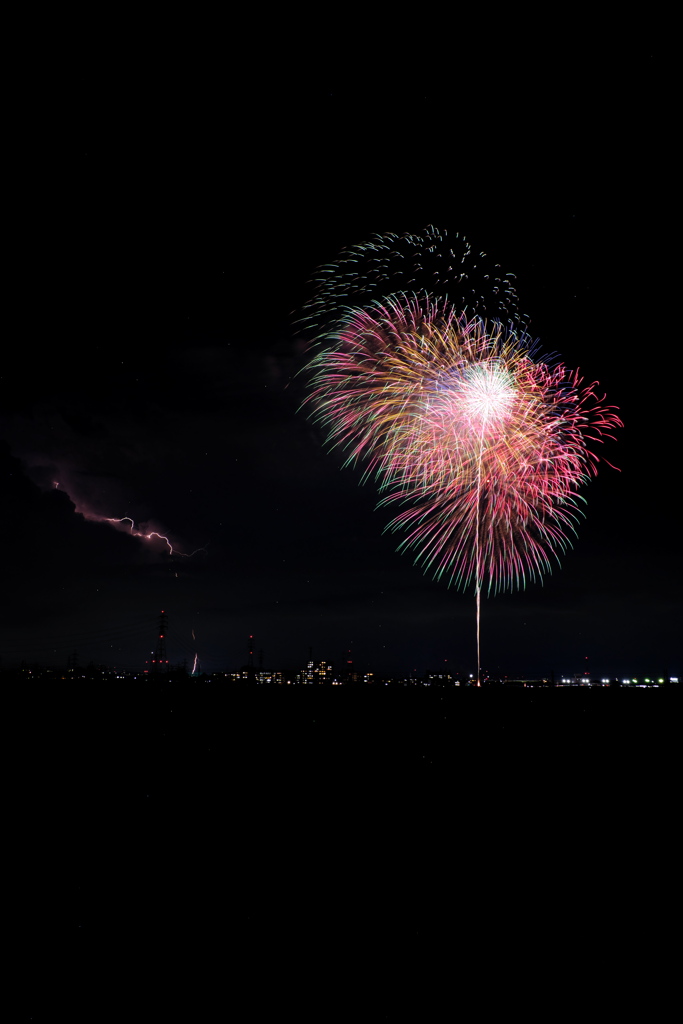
(424, 263)
(483, 444)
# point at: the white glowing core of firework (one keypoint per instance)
(479, 401)
(486, 395)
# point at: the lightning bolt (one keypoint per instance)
(147, 536)
(134, 532)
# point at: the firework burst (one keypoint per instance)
(482, 444)
(425, 264)
(425, 374)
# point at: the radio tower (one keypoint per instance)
(160, 661)
(251, 671)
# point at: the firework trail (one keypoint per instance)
(482, 444)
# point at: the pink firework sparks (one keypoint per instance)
(484, 445)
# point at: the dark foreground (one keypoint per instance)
(333, 854)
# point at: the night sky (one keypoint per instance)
(166, 237)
